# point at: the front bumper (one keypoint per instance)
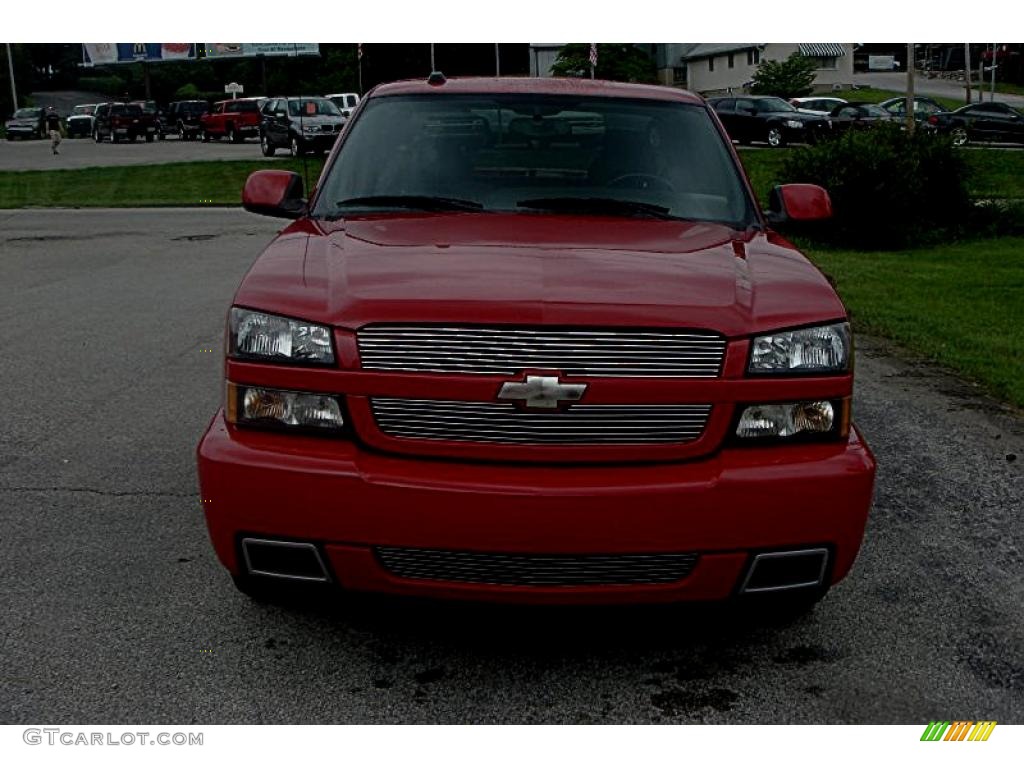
(349, 500)
(320, 142)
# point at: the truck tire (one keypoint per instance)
(114, 138)
(268, 149)
(295, 147)
(95, 135)
(149, 138)
(204, 136)
(232, 135)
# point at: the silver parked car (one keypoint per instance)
(817, 105)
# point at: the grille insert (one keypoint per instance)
(485, 422)
(536, 570)
(506, 351)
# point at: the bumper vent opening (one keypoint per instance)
(777, 571)
(536, 570)
(295, 560)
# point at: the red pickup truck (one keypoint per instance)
(535, 340)
(235, 120)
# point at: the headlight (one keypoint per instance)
(310, 129)
(786, 419)
(794, 124)
(259, 336)
(261, 406)
(823, 349)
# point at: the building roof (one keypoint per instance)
(556, 86)
(705, 50)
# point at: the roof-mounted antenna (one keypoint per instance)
(437, 78)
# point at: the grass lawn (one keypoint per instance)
(960, 304)
(202, 183)
(995, 173)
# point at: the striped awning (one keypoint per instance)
(822, 50)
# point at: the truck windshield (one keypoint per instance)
(537, 153)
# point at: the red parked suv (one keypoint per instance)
(534, 340)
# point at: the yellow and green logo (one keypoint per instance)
(958, 730)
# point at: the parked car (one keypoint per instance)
(80, 122)
(494, 358)
(300, 124)
(985, 121)
(858, 116)
(26, 123)
(924, 107)
(817, 105)
(767, 118)
(346, 102)
(123, 122)
(235, 120)
(151, 108)
(183, 118)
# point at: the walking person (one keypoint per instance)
(53, 125)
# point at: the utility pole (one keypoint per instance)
(992, 93)
(10, 71)
(359, 60)
(497, 59)
(910, 88)
(967, 70)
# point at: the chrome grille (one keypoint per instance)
(536, 570)
(482, 422)
(506, 351)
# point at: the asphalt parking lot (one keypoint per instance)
(35, 155)
(117, 610)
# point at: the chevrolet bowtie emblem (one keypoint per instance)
(541, 392)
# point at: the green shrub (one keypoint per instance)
(187, 92)
(786, 79)
(888, 188)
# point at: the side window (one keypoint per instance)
(350, 100)
(744, 106)
(849, 112)
(726, 105)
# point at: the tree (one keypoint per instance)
(787, 79)
(615, 61)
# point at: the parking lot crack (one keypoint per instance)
(95, 491)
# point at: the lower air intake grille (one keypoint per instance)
(536, 570)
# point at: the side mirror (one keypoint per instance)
(798, 202)
(274, 193)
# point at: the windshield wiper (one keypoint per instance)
(412, 202)
(598, 205)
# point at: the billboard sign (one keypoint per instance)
(127, 53)
(239, 50)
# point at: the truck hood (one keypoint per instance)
(528, 269)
